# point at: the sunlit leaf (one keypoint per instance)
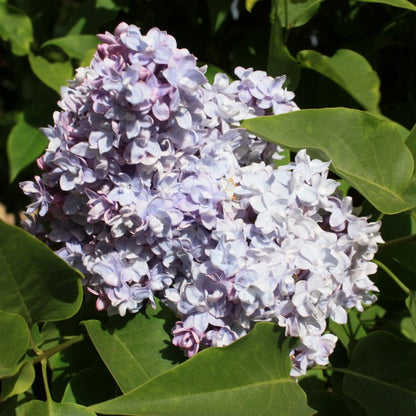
(364, 149)
(16, 27)
(382, 375)
(14, 341)
(136, 348)
(250, 374)
(39, 285)
(18, 383)
(38, 408)
(75, 46)
(411, 141)
(350, 71)
(294, 13)
(53, 74)
(24, 144)
(404, 4)
(250, 4)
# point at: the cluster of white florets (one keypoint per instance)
(152, 188)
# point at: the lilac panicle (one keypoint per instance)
(150, 187)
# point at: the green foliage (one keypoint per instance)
(361, 147)
(16, 27)
(228, 381)
(24, 145)
(349, 54)
(350, 71)
(381, 375)
(39, 285)
(38, 408)
(14, 334)
(294, 13)
(53, 74)
(137, 349)
(404, 4)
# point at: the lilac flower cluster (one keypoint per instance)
(152, 188)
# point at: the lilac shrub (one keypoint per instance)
(152, 188)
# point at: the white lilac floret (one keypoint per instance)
(152, 188)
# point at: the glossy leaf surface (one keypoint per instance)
(364, 149)
(350, 71)
(40, 285)
(233, 380)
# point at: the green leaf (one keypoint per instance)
(137, 349)
(382, 375)
(24, 144)
(86, 60)
(294, 13)
(40, 286)
(411, 305)
(14, 341)
(218, 11)
(67, 363)
(79, 388)
(350, 332)
(403, 4)
(250, 4)
(75, 46)
(52, 74)
(349, 70)
(38, 408)
(364, 149)
(16, 27)
(411, 141)
(408, 329)
(250, 374)
(90, 16)
(280, 61)
(327, 403)
(19, 383)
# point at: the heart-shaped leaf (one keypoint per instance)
(250, 374)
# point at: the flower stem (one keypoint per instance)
(398, 242)
(44, 363)
(60, 347)
(393, 276)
